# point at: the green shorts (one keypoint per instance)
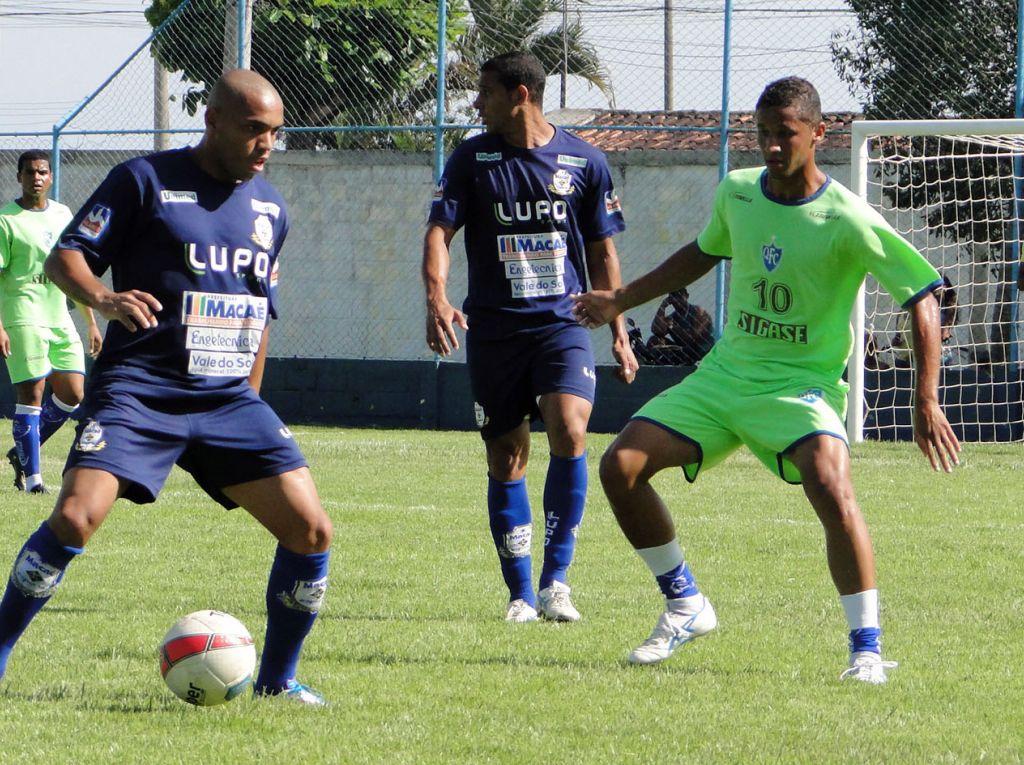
(38, 351)
(717, 412)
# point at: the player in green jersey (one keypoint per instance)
(800, 244)
(38, 338)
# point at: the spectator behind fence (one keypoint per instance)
(899, 353)
(681, 333)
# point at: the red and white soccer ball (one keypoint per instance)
(207, 658)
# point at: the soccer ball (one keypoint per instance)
(207, 658)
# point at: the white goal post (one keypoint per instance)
(953, 188)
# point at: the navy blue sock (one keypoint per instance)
(678, 583)
(54, 415)
(37, 571)
(295, 592)
(508, 507)
(25, 430)
(866, 639)
(565, 495)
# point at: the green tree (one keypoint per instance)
(500, 26)
(336, 62)
(934, 59)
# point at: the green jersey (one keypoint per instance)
(27, 296)
(796, 270)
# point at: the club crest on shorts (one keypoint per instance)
(91, 439)
(771, 255)
(481, 416)
(811, 395)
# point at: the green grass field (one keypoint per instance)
(419, 666)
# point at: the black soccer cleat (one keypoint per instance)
(19, 472)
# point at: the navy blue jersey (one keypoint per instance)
(206, 249)
(527, 214)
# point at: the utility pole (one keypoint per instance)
(161, 109)
(237, 34)
(668, 57)
(565, 52)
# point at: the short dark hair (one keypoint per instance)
(796, 92)
(519, 68)
(31, 156)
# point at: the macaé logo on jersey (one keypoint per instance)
(761, 327)
(95, 223)
(218, 258)
(211, 309)
(539, 210)
(561, 183)
(771, 255)
(546, 244)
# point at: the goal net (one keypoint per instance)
(953, 189)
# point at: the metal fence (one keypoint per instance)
(377, 92)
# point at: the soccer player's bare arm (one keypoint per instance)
(441, 315)
(932, 431)
(133, 308)
(683, 267)
(606, 274)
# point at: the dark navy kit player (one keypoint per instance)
(191, 238)
(538, 210)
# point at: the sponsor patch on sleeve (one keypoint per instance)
(612, 204)
(95, 223)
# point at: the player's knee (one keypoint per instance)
(311, 535)
(616, 471)
(73, 521)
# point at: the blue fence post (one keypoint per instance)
(723, 161)
(442, 52)
(55, 161)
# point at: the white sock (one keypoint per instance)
(861, 609)
(663, 558)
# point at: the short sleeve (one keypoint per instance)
(715, 239)
(451, 195)
(100, 227)
(601, 214)
(897, 265)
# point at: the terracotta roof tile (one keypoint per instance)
(687, 130)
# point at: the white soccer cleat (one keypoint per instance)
(520, 611)
(868, 667)
(554, 603)
(675, 628)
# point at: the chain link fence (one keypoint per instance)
(645, 80)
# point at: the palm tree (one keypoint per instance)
(499, 26)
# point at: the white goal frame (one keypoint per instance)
(862, 132)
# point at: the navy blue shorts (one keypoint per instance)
(508, 375)
(139, 439)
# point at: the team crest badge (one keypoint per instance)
(91, 439)
(561, 183)
(95, 223)
(771, 255)
(263, 232)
